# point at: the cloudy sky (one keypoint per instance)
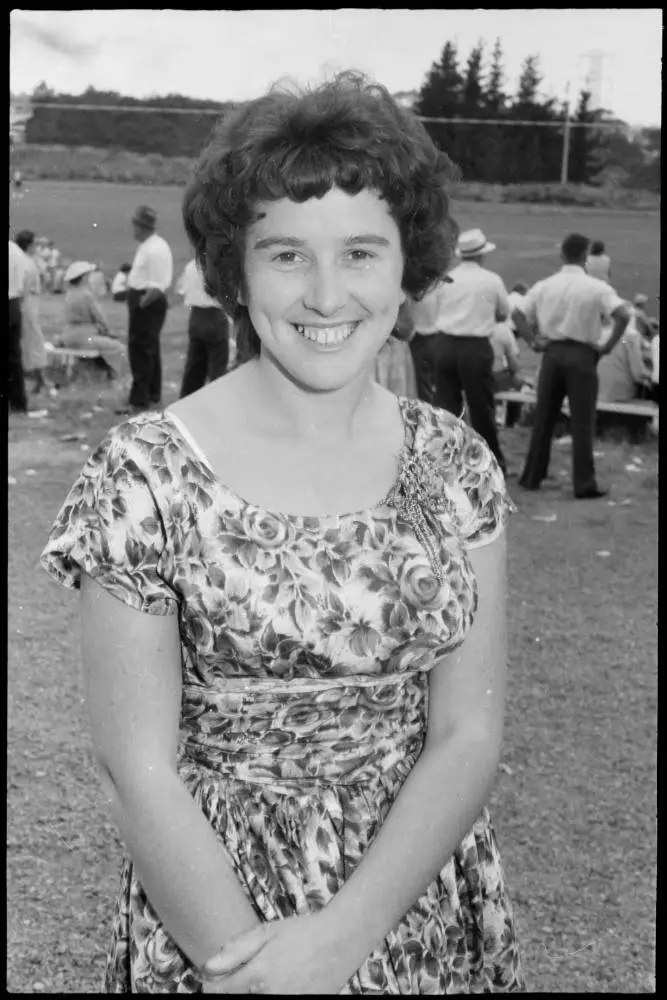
(235, 55)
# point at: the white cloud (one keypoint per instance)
(237, 54)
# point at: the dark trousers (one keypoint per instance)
(568, 369)
(144, 349)
(208, 348)
(16, 395)
(448, 367)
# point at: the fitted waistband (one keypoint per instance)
(294, 733)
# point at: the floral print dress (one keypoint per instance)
(306, 644)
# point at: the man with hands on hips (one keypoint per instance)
(563, 316)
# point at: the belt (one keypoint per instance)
(468, 336)
(571, 340)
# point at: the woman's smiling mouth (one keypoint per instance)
(327, 335)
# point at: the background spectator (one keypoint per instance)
(622, 373)
(598, 264)
(119, 283)
(33, 350)
(506, 372)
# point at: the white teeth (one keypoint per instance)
(327, 335)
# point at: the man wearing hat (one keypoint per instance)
(147, 285)
(452, 345)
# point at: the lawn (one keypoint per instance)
(92, 222)
(575, 799)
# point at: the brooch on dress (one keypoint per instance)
(418, 490)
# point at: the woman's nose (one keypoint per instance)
(326, 292)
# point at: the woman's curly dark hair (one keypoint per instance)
(348, 133)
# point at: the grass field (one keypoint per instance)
(575, 800)
(92, 222)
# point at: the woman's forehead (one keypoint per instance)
(337, 215)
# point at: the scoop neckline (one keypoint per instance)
(409, 434)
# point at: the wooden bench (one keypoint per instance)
(642, 412)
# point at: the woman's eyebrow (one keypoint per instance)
(272, 241)
(294, 241)
(379, 241)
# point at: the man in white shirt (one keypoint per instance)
(18, 266)
(451, 348)
(208, 332)
(566, 312)
(147, 284)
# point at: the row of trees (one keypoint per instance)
(159, 131)
(500, 152)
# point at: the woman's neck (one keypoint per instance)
(286, 408)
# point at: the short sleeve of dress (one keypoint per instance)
(110, 527)
(477, 489)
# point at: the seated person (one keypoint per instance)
(86, 327)
(506, 374)
(623, 374)
(655, 366)
(640, 318)
(119, 283)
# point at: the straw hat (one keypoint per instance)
(472, 243)
(78, 269)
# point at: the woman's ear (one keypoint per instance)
(403, 297)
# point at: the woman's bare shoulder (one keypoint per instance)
(226, 398)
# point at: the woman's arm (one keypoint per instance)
(450, 783)
(132, 673)
(96, 314)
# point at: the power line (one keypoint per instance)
(147, 109)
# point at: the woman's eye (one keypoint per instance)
(286, 257)
(361, 255)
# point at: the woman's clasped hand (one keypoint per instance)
(297, 956)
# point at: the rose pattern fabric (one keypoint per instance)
(307, 644)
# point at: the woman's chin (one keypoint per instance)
(320, 372)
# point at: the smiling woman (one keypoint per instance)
(330, 290)
(349, 135)
(293, 591)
